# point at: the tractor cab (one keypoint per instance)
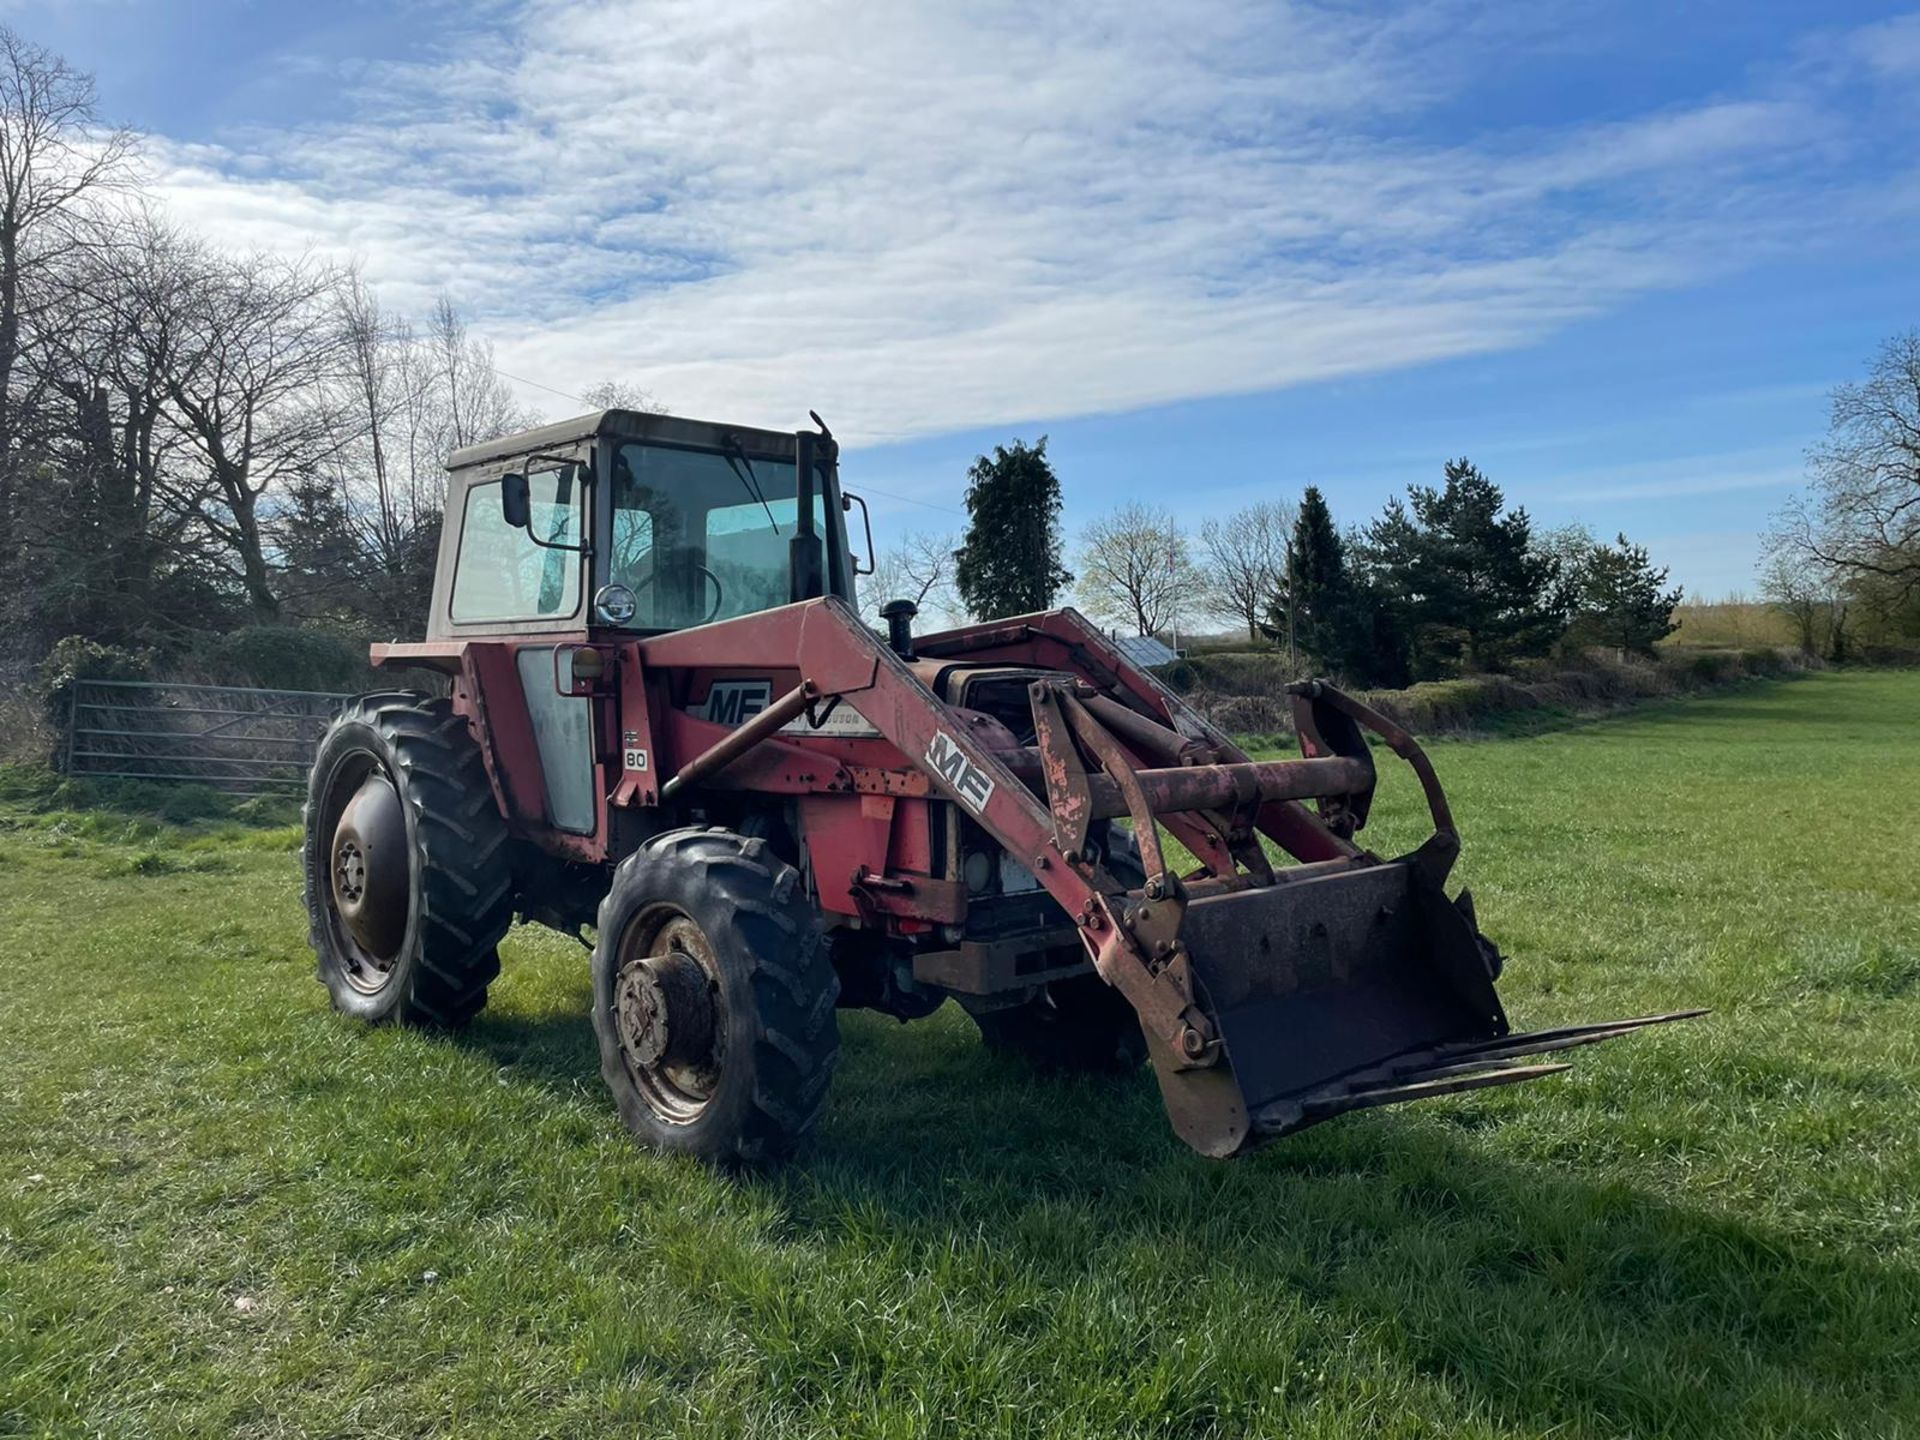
(639, 523)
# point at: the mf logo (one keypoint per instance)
(971, 783)
(733, 702)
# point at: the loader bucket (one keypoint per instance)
(1280, 997)
(1342, 991)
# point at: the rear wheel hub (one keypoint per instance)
(371, 876)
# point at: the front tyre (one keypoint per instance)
(408, 883)
(713, 999)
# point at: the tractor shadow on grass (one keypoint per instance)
(1539, 1293)
(554, 1048)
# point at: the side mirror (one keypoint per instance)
(515, 508)
(861, 566)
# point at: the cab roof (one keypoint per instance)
(627, 425)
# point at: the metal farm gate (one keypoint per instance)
(241, 740)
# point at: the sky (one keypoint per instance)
(1618, 255)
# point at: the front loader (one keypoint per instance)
(668, 733)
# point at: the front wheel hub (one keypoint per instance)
(664, 1006)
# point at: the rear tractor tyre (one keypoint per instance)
(713, 999)
(408, 883)
(1077, 1026)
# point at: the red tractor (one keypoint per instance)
(667, 726)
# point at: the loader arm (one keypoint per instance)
(1271, 996)
(839, 658)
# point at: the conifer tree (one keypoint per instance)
(1467, 568)
(1010, 561)
(1623, 604)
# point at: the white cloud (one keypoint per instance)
(1890, 48)
(1680, 479)
(923, 217)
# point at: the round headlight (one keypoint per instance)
(977, 871)
(615, 604)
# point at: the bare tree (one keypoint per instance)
(376, 379)
(622, 395)
(51, 156)
(222, 432)
(404, 401)
(920, 569)
(1243, 562)
(104, 343)
(1135, 569)
(478, 405)
(251, 383)
(1861, 520)
(1799, 592)
(456, 394)
(207, 435)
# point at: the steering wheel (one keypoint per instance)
(719, 590)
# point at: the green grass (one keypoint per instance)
(225, 1211)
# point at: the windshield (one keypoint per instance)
(699, 536)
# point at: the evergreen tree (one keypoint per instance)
(1374, 636)
(1622, 603)
(1009, 563)
(1306, 608)
(1318, 561)
(1481, 594)
(400, 593)
(324, 578)
(1376, 626)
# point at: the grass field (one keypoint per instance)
(224, 1211)
(1731, 622)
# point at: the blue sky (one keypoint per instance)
(1617, 255)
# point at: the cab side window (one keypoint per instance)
(500, 573)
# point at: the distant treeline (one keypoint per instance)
(1447, 581)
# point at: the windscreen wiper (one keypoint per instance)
(748, 478)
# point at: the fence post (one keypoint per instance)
(73, 723)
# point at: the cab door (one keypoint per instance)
(527, 583)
